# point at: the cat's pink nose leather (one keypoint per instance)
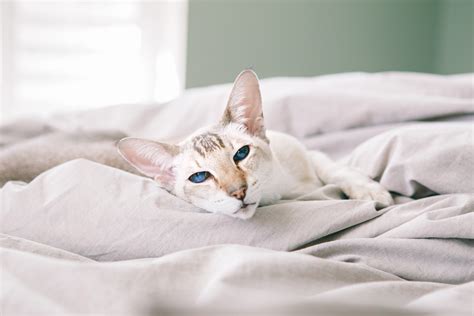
(240, 193)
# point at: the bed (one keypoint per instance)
(86, 238)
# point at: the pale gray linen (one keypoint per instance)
(243, 278)
(407, 258)
(303, 107)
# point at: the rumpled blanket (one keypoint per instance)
(84, 238)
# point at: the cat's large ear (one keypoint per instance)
(245, 104)
(151, 158)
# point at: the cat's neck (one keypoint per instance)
(288, 179)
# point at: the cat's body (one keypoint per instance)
(299, 177)
(229, 168)
(236, 165)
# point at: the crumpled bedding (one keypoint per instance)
(83, 237)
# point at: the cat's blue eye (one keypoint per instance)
(242, 153)
(199, 177)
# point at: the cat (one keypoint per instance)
(236, 165)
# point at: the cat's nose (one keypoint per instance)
(240, 193)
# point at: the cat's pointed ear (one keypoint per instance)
(151, 158)
(245, 104)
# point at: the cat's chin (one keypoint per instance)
(245, 212)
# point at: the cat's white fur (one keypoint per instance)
(277, 166)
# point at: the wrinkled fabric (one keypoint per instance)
(87, 238)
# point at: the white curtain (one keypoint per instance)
(72, 55)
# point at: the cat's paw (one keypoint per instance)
(369, 191)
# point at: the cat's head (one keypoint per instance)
(222, 168)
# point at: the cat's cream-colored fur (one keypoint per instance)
(277, 166)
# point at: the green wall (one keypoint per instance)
(455, 41)
(305, 38)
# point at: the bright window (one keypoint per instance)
(72, 55)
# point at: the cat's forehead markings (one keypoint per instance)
(207, 143)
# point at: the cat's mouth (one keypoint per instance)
(246, 211)
(245, 206)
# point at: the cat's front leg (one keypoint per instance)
(361, 187)
(353, 183)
